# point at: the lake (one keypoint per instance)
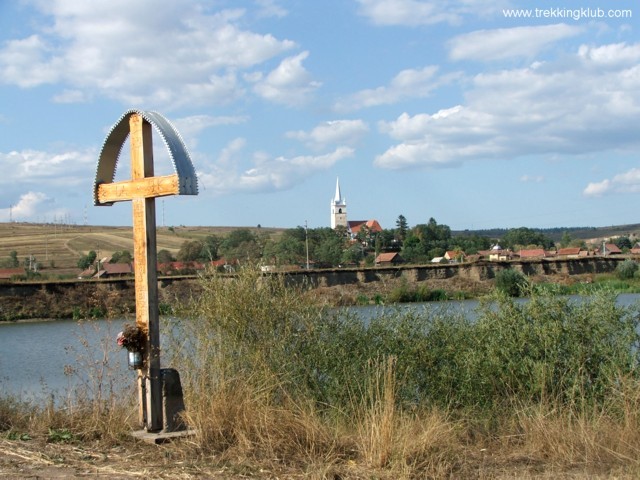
(38, 358)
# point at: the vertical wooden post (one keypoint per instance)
(146, 284)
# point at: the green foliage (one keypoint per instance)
(87, 260)
(271, 336)
(12, 261)
(623, 243)
(523, 237)
(190, 251)
(60, 436)
(164, 256)
(123, 256)
(627, 269)
(511, 282)
(401, 227)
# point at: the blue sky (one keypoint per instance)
(479, 113)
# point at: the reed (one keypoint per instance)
(543, 389)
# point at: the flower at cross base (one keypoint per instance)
(132, 338)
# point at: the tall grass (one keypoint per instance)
(268, 375)
(273, 381)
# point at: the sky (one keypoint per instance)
(478, 113)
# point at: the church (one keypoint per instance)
(339, 216)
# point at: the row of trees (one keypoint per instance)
(327, 247)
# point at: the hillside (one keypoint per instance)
(60, 246)
(581, 233)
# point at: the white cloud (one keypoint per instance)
(336, 132)
(71, 96)
(70, 168)
(572, 106)
(32, 206)
(266, 173)
(410, 83)
(288, 84)
(270, 8)
(191, 127)
(628, 182)
(160, 54)
(414, 13)
(532, 178)
(503, 43)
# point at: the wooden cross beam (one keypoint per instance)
(141, 190)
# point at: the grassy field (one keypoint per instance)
(60, 246)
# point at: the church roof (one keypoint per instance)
(337, 199)
(354, 226)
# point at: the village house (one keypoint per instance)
(570, 252)
(114, 270)
(610, 249)
(455, 256)
(9, 273)
(388, 258)
(533, 253)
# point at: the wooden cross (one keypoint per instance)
(141, 190)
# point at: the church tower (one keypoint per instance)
(338, 208)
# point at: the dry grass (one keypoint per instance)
(64, 244)
(244, 430)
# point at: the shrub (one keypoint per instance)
(511, 282)
(626, 269)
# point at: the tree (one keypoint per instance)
(123, 256)
(566, 239)
(511, 282)
(240, 243)
(524, 237)
(210, 246)
(87, 260)
(401, 227)
(623, 243)
(164, 256)
(353, 254)
(13, 259)
(627, 269)
(190, 251)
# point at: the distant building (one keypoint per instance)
(390, 258)
(338, 208)
(533, 253)
(354, 226)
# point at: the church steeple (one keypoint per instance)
(338, 208)
(338, 197)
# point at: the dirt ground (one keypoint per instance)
(37, 459)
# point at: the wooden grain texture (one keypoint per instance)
(146, 282)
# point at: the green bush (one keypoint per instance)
(511, 282)
(626, 269)
(550, 347)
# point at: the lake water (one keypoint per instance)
(38, 358)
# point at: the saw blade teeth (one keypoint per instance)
(172, 139)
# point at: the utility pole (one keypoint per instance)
(306, 241)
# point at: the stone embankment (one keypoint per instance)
(115, 297)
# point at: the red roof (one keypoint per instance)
(612, 248)
(388, 257)
(7, 273)
(532, 253)
(355, 226)
(569, 251)
(116, 268)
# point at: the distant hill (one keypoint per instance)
(582, 233)
(60, 246)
